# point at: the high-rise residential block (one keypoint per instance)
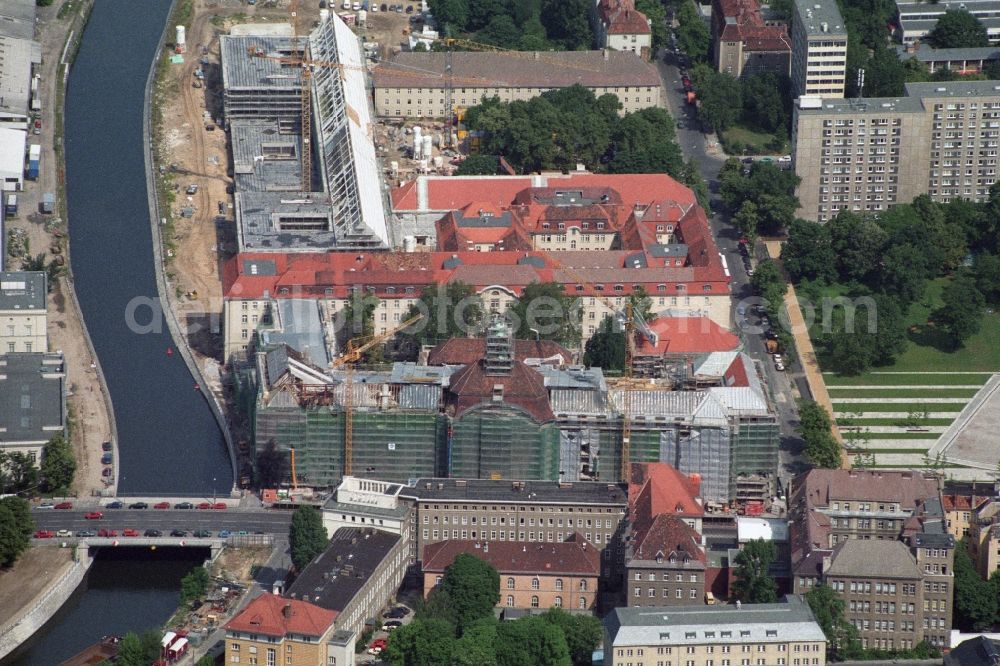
(819, 49)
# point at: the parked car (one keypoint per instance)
(106, 459)
(178, 533)
(409, 9)
(225, 534)
(396, 613)
(219, 506)
(162, 505)
(201, 534)
(383, 7)
(107, 471)
(391, 624)
(192, 189)
(138, 505)
(204, 505)
(105, 446)
(93, 515)
(64, 505)
(785, 159)
(222, 208)
(153, 533)
(377, 646)
(64, 533)
(114, 505)
(129, 532)
(243, 532)
(46, 505)
(184, 505)
(107, 533)
(44, 534)
(86, 533)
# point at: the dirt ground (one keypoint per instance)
(238, 563)
(30, 576)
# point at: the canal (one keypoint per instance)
(127, 589)
(169, 441)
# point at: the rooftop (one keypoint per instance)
(239, 70)
(978, 651)
(17, 19)
(271, 615)
(463, 351)
(32, 400)
(338, 573)
(548, 69)
(873, 558)
(790, 620)
(971, 439)
(820, 18)
(22, 290)
(927, 53)
(265, 158)
(686, 335)
(583, 493)
(572, 557)
(16, 59)
(12, 149)
(669, 538)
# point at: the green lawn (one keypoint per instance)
(896, 435)
(758, 142)
(898, 407)
(892, 422)
(877, 452)
(901, 392)
(834, 381)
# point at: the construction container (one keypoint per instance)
(11, 205)
(34, 157)
(48, 203)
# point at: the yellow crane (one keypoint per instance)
(356, 347)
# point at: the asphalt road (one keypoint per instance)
(705, 152)
(270, 522)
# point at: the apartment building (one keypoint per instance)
(525, 511)
(983, 540)
(819, 49)
(879, 539)
(509, 76)
(23, 319)
(32, 401)
(620, 26)
(959, 506)
(272, 631)
(354, 577)
(917, 19)
(745, 42)
(532, 575)
(941, 139)
(784, 633)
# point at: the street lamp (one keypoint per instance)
(213, 490)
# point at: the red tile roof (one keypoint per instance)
(621, 18)
(471, 387)
(957, 502)
(573, 557)
(686, 335)
(658, 488)
(668, 535)
(742, 21)
(463, 351)
(272, 615)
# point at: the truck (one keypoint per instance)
(690, 97)
(771, 346)
(48, 203)
(34, 157)
(11, 206)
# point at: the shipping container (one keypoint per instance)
(11, 208)
(48, 202)
(34, 152)
(33, 170)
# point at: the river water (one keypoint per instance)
(169, 441)
(127, 589)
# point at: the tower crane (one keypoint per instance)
(356, 347)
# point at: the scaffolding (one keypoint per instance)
(501, 442)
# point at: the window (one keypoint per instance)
(534, 583)
(510, 601)
(558, 602)
(510, 583)
(583, 585)
(534, 602)
(559, 584)
(583, 603)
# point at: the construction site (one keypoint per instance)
(511, 414)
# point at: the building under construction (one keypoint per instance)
(497, 408)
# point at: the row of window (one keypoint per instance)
(536, 583)
(651, 577)
(557, 537)
(553, 522)
(678, 593)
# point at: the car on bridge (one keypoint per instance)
(204, 505)
(64, 505)
(219, 505)
(46, 505)
(107, 533)
(64, 533)
(184, 505)
(129, 532)
(225, 534)
(138, 505)
(153, 533)
(93, 515)
(162, 505)
(86, 533)
(178, 533)
(202, 534)
(44, 534)
(115, 505)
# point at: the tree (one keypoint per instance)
(450, 311)
(531, 640)
(765, 105)
(721, 97)
(473, 587)
(693, 36)
(958, 29)
(58, 464)
(481, 12)
(479, 165)
(357, 320)
(422, 642)
(960, 314)
(452, 14)
(828, 609)
(194, 584)
(768, 283)
(130, 651)
(16, 526)
(807, 255)
(657, 15)
(987, 271)
(500, 31)
(606, 347)
(821, 448)
(904, 273)
(849, 356)
(566, 22)
(17, 472)
(306, 535)
(747, 219)
(859, 244)
(477, 646)
(884, 75)
(582, 633)
(754, 584)
(975, 604)
(544, 311)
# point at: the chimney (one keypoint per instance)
(287, 611)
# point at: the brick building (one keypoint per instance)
(745, 43)
(621, 27)
(532, 575)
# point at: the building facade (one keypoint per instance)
(917, 19)
(371, 503)
(23, 318)
(273, 631)
(511, 77)
(532, 575)
(941, 140)
(745, 43)
(354, 577)
(621, 27)
(819, 50)
(983, 540)
(783, 633)
(32, 401)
